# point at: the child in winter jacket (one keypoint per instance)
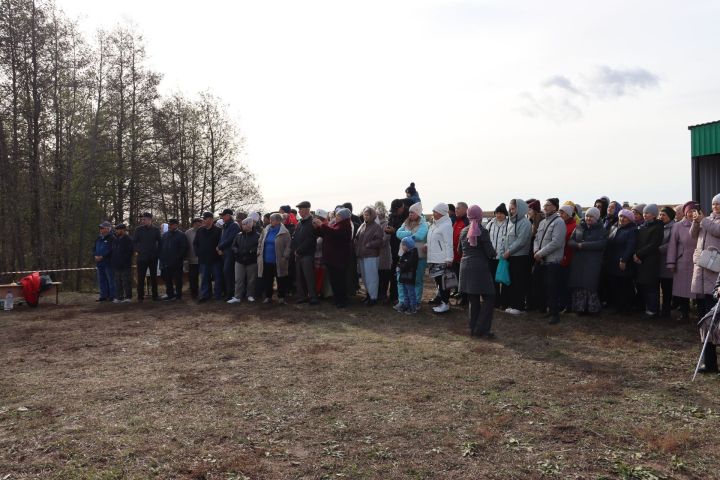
(407, 271)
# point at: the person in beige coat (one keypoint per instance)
(274, 257)
(706, 230)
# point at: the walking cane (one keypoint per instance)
(707, 336)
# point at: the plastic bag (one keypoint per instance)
(502, 274)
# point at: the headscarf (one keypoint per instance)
(475, 215)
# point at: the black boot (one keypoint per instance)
(710, 359)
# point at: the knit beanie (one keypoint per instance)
(343, 214)
(652, 209)
(416, 208)
(441, 208)
(627, 214)
(502, 209)
(570, 211)
(411, 189)
(533, 204)
(593, 212)
(639, 207)
(554, 201)
(409, 242)
(691, 205)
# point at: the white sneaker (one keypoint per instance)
(442, 308)
(117, 301)
(127, 300)
(234, 300)
(251, 299)
(513, 311)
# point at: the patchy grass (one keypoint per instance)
(231, 392)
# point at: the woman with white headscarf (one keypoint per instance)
(440, 252)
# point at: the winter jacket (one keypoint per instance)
(498, 234)
(147, 242)
(440, 242)
(475, 276)
(369, 239)
(621, 246)
(245, 247)
(707, 234)
(407, 267)
(103, 248)
(458, 224)
(386, 260)
(519, 231)
(304, 240)
(665, 272)
(173, 247)
(229, 232)
(588, 244)
(418, 232)
(122, 252)
(568, 251)
(650, 236)
(550, 239)
(337, 243)
(282, 251)
(205, 244)
(680, 257)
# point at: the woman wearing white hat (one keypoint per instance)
(440, 252)
(415, 226)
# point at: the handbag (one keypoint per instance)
(449, 279)
(502, 274)
(710, 259)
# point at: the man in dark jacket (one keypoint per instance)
(173, 248)
(205, 244)
(647, 259)
(244, 250)
(122, 252)
(146, 241)
(230, 229)
(303, 245)
(102, 252)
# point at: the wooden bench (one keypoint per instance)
(17, 291)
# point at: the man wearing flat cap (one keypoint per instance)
(122, 253)
(303, 245)
(103, 254)
(230, 229)
(173, 248)
(205, 245)
(146, 241)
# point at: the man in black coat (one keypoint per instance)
(146, 241)
(205, 244)
(173, 248)
(230, 229)
(121, 261)
(303, 245)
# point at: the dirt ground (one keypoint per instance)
(216, 391)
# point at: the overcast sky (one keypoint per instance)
(480, 101)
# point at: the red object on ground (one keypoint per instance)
(31, 288)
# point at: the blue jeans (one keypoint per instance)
(408, 295)
(106, 282)
(210, 272)
(419, 279)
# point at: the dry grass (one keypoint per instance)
(271, 392)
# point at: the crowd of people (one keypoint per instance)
(529, 255)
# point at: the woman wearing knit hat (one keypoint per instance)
(619, 261)
(440, 252)
(412, 193)
(647, 259)
(667, 216)
(707, 232)
(637, 211)
(680, 258)
(417, 226)
(518, 243)
(567, 214)
(588, 243)
(497, 229)
(475, 278)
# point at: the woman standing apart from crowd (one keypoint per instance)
(588, 243)
(417, 226)
(475, 278)
(440, 252)
(680, 258)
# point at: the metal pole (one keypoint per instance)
(707, 337)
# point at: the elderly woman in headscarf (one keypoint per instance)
(612, 215)
(273, 257)
(368, 243)
(619, 261)
(667, 216)
(337, 248)
(588, 243)
(476, 280)
(707, 232)
(680, 259)
(647, 259)
(415, 225)
(440, 253)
